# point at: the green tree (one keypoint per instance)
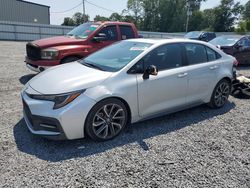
(101, 18)
(135, 10)
(77, 19)
(115, 17)
(226, 15)
(68, 22)
(246, 12)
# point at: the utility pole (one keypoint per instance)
(84, 11)
(189, 13)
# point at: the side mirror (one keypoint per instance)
(150, 70)
(100, 37)
(203, 36)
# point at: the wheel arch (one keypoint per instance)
(113, 97)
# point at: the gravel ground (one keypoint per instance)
(194, 148)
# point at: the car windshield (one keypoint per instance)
(84, 30)
(193, 34)
(225, 41)
(115, 57)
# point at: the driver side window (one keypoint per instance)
(165, 57)
(110, 32)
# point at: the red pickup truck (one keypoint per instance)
(80, 42)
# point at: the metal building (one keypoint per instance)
(24, 11)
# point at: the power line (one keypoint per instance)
(68, 9)
(100, 7)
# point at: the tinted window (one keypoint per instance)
(196, 53)
(211, 54)
(165, 57)
(110, 32)
(126, 32)
(244, 42)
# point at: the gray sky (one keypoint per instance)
(115, 5)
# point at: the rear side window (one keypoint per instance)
(126, 32)
(165, 57)
(211, 54)
(196, 53)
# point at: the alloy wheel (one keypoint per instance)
(109, 121)
(221, 94)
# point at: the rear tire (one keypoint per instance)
(220, 94)
(69, 60)
(106, 119)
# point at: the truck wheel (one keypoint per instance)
(69, 59)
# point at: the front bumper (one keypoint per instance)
(40, 65)
(64, 123)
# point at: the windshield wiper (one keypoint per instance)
(92, 65)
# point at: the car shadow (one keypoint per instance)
(24, 79)
(55, 151)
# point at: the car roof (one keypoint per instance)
(163, 41)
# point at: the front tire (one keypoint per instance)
(220, 94)
(106, 120)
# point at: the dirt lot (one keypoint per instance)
(194, 148)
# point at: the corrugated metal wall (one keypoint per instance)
(19, 11)
(27, 32)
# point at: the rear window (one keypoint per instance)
(198, 53)
(212, 55)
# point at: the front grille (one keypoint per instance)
(33, 51)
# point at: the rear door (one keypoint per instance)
(168, 89)
(203, 70)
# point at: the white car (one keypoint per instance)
(127, 82)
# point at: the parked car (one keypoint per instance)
(80, 42)
(124, 83)
(235, 45)
(201, 35)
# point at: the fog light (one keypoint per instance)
(48, 126)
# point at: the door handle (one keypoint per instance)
(182, 75)
(214, 67)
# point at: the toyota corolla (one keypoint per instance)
(127, 82)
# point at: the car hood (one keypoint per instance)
(57, 41)
(67, 78)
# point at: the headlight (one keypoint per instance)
(49, 54)
(59, 100)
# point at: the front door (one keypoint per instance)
(167, 90)
(111, 37)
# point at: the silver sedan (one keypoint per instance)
(127, 82)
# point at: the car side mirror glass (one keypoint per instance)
(150, 70)
(100, 37)
(203, 36)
